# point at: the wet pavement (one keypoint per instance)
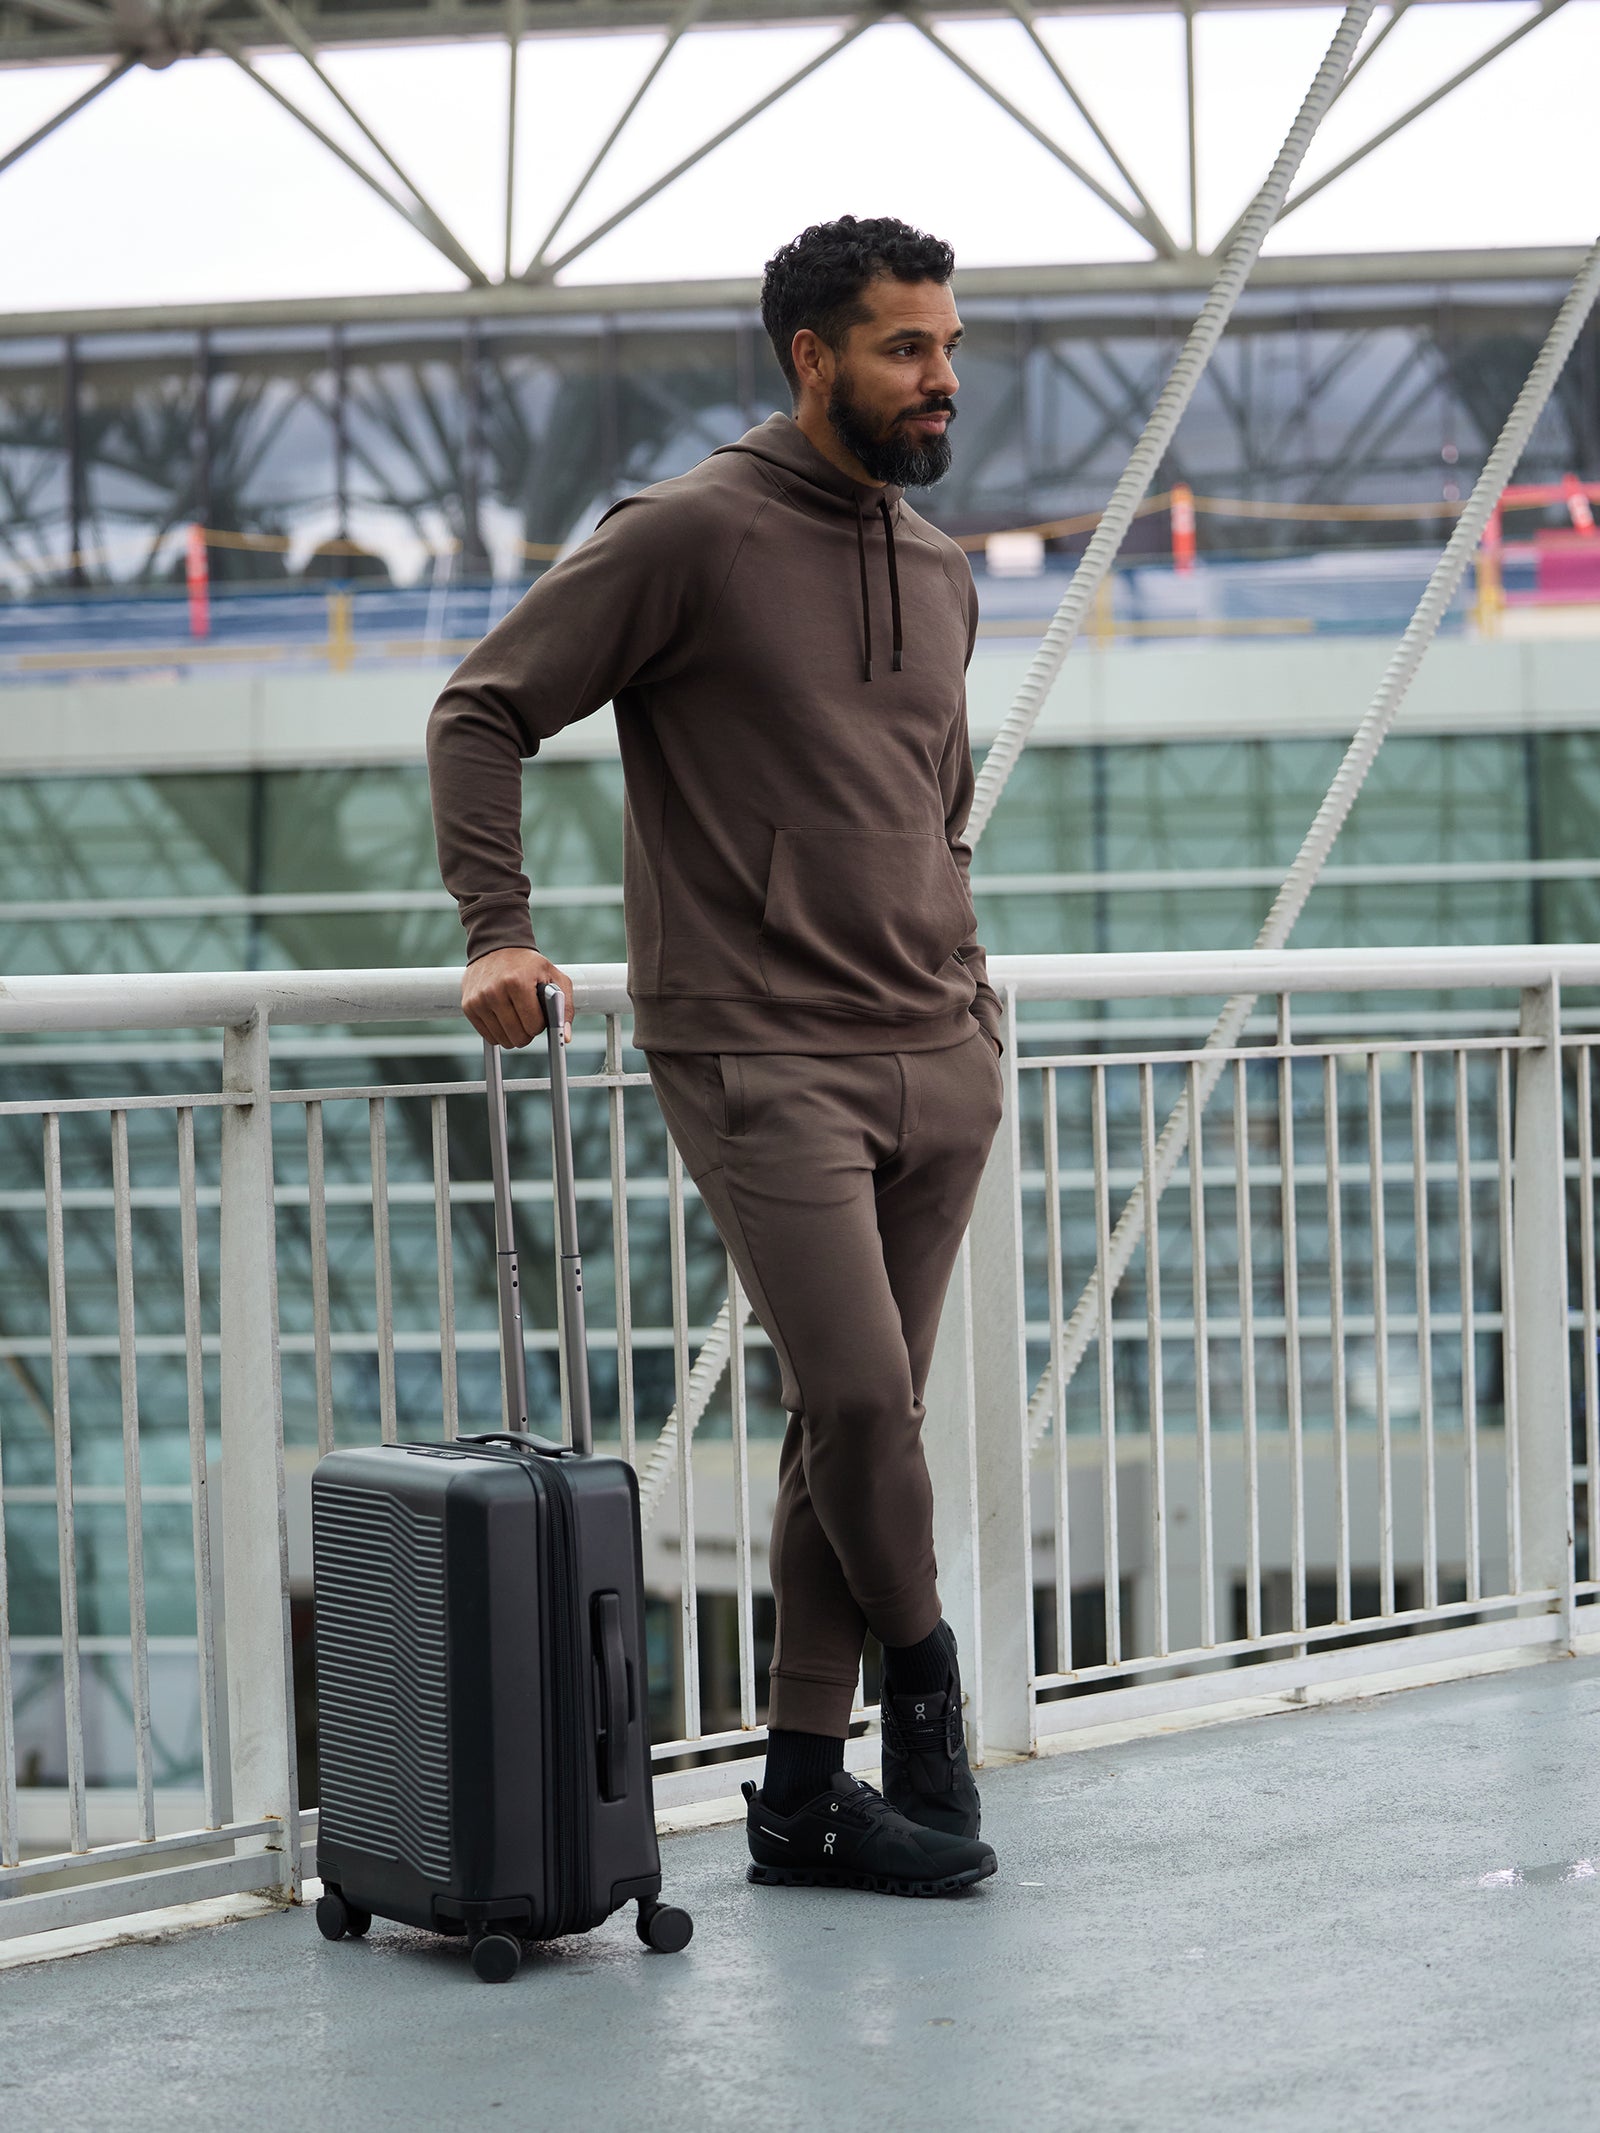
(1355, 1917)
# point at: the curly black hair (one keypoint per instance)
(817, 278)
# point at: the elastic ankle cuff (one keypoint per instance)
(802, 1704)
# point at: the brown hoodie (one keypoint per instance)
(786, 652)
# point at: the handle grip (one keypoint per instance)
(546, 1445)
(575, 1341)
(575, 1346)
(513, 1359)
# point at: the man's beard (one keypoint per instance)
(892, 454)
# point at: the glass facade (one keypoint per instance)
(192, 871)
(403, 444)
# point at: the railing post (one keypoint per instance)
(1543, 1424)
(255, 1555)
(978, 1453)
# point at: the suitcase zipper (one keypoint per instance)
(567, 1827)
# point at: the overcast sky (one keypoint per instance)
(193, 185)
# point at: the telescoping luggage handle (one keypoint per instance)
(513, 1361)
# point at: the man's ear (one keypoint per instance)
(810, 355)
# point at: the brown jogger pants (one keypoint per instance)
(841, 1187)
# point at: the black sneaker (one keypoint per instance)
(849, 1837)
(926, 1774)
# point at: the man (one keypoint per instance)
(785, 642)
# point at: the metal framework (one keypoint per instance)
(157, 33)
(425, 432)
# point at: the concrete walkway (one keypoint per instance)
(1363, 1917)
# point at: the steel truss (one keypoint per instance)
(500, 437)
(155, 33)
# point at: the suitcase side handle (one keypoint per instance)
(612, 1659)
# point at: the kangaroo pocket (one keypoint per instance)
(865, 920)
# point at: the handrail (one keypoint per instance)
(1197, 974)
(231, 998)
(1462, 1146)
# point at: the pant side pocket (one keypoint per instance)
(730, 1068)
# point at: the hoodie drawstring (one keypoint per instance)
(866, 595)
(894, 584)
(866, 598)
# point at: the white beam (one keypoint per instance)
(1160, 235)
(671, 177)
(1108, 280)
(422, 216)
(74, 11)
(684, 20)
(67, 111)
(514, 23)
(1368, 50)
(1425, 103)
(1136, 221)
(1191, 118)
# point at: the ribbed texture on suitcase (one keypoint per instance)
(384, 1776)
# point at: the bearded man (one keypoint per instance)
(785, 642)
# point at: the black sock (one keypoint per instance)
(799, 1766)
(921, 1669)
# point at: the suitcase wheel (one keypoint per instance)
(495, 1957)
(664, 1927)
(336, 1918)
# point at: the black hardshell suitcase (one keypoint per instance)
(483, 1737)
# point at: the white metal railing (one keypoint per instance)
(1334, 1400)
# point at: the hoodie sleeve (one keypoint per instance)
(956, 781)
(619, 609)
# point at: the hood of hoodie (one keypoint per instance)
(781, 442)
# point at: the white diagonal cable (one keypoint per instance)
(1340, 797)
(704, 1379)
(1148, 453)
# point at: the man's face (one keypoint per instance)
(891, 402)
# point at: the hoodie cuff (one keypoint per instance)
(496, 922)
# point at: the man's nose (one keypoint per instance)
(940, 378)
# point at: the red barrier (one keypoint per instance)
(1576, 498)
(1182, 526)
(197, 570)
(1529, 495)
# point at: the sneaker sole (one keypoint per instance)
(833, 1877)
